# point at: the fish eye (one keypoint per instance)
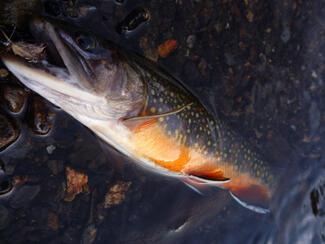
(86, 42)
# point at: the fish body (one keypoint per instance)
(146, 114)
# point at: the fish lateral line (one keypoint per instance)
(148, 117)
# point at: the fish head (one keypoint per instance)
(93, 81)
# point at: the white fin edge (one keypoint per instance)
(256, 209)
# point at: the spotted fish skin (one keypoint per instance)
(205, 146)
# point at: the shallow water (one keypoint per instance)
(260, 65)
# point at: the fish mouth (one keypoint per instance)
(53, 82)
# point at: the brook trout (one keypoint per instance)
(145, 113)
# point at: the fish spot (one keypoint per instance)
(153, 110)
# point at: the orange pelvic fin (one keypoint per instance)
(251, 196)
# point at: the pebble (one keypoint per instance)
(50, 149)
(5, 184)
(40, 118)
(9, 132)
(14, 98)
(190, 41)
(133, 20)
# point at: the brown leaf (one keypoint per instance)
(77, 182)
(116, 194)
(167, 48)
(30, 52)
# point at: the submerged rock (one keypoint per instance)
(133, 20)
(14, 98)
(9, 132)
(40, 118)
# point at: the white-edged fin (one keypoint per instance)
(202, 181)
(193, 188)
(256, 209)
(198, 184)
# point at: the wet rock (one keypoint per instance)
(9, 132)
(4, 217)
(116, 194)
(24, 195)
(14, 98)
(40, 118)
(133, 20)
(6, 184)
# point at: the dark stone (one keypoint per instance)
(133, 20)
(24, 195)
(5, 184)
(40, 118)
(9, 132)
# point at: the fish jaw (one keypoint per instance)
(57, 86)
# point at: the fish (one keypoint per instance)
(145, 113)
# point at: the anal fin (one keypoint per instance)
(254, 208)
(251, 196)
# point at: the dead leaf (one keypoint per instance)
(167, 48)
(77, 182)
(116, 194)
(30, 52)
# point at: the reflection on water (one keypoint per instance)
(259, 64)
